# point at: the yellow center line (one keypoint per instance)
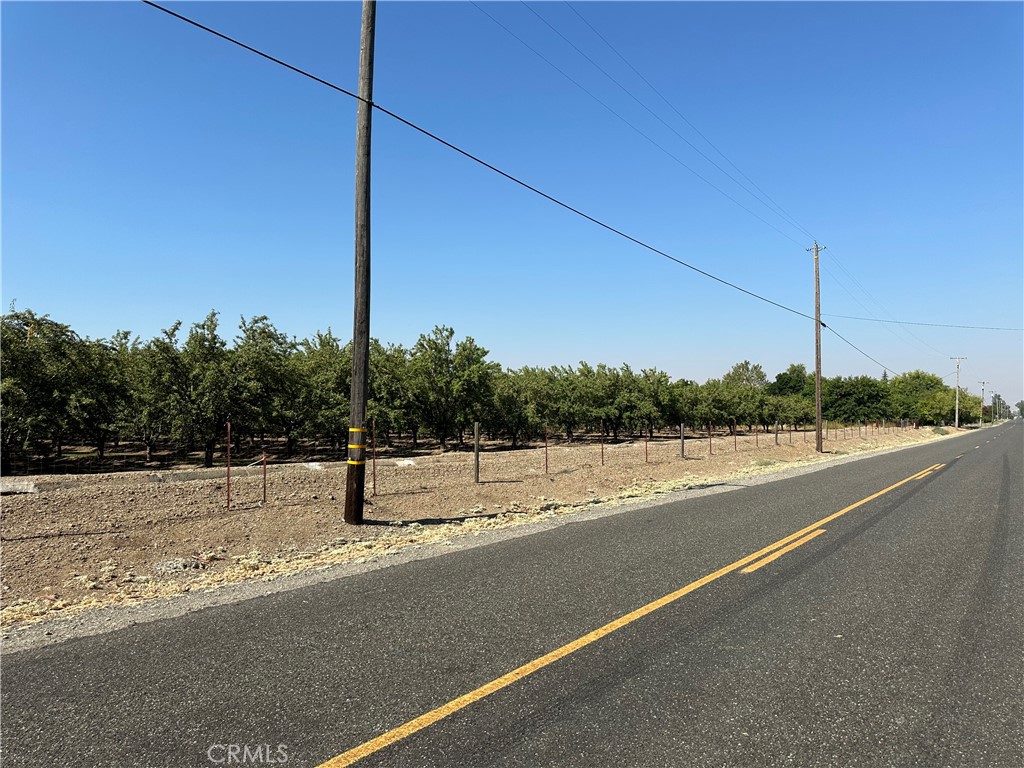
(429, 718)
(928, 471)
(780, 552)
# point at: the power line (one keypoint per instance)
(863, 306)
(476, 159)
(931, 325)
(656, 116)
(502, 173)
(869, 357)
(784, 214)
(683, 117)
(780, 211)
(884, 309)
(624, 120)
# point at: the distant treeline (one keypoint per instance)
(59, 389)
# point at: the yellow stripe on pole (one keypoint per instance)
(350, 461)
(357, 445)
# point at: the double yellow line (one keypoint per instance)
(804, 539)
(748, 564)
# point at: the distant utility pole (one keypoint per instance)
(817, 349)
(981, 417)
(956, 422)
(356, 479)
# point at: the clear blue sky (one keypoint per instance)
(152, 172)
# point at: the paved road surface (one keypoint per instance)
(893, 638)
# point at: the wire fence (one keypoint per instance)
(689, 440)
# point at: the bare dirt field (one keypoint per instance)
(97, 540)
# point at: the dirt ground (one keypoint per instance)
(86, 541)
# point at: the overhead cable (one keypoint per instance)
(931, 325)
(502, 173)
(687, 121)
(633, 127)
(650, 111)
(476, 159)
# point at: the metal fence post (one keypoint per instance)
(476, 451)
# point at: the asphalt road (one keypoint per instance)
(893, 638)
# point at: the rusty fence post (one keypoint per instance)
(229, 466)
(476, 452)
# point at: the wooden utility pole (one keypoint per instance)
(356, 479)
(817, 349)
(956, 413)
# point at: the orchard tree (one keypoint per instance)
(41, 379)
(685, 396)
(324, 366)
(96, 403)
(795, 380)
(210, 399)
(449, 387)
(654, 403)
(388, 404)
(775, 411)
(745, 383)
(565, 403)
(512, 412)
(715, 403)
(604, 397)
(854, 399)
(936, 407)
(910, 391)
(474, 383)
(267, 383)
(745, 374)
